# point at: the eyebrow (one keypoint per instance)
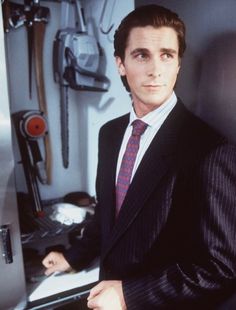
(139, 50)
(145, 50)
(168, 50)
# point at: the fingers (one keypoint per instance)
(96, 290)
(55, 261)
(98, 301)
(95, 296)
(92, 304)
(50, 262)
(49, 259)
(107, 295)
(51, 270)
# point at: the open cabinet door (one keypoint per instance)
(12, 279)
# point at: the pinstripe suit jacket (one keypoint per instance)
(174, 242)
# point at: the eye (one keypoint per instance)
(141, 56)
(167, 56)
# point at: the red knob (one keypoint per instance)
(35, 126)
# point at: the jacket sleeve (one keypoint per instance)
(193, 278)
(88, 246)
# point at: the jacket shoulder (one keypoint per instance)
(114, 128)
(200, 141)
(200, 132)
(116, 122)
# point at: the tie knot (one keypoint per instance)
(138, 127)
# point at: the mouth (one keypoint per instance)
(153, 87)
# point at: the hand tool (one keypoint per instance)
(41, 17)
(33, 126)
(35, 18)
(13, 15)
(30, 127)
(75, 64)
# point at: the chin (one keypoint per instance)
(155, 103)
(152, 106)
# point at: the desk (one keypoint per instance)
(61, 287)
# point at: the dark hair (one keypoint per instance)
(148, 15)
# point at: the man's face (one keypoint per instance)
(151, 66)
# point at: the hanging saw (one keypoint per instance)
(41, 17)
(35, 18)
(76, 57)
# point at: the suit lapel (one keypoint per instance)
(110, 150)
(157, 161)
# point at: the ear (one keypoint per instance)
(120, 66)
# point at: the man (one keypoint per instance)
(169, 240)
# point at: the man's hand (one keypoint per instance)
(55, 261)
(107, 295)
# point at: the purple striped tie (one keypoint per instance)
(128, 161)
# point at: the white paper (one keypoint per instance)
(61, 282)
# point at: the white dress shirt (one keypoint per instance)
(154, 120)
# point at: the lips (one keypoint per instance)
(153, 87)
(156, 85)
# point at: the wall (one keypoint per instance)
(208, 76)
(87, 110)
(10, 269)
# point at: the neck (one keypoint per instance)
(142, 112)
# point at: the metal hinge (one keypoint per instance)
(6, 243)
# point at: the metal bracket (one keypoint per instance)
(6, 244)
(109, 28)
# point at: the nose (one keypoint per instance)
(154, 68)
